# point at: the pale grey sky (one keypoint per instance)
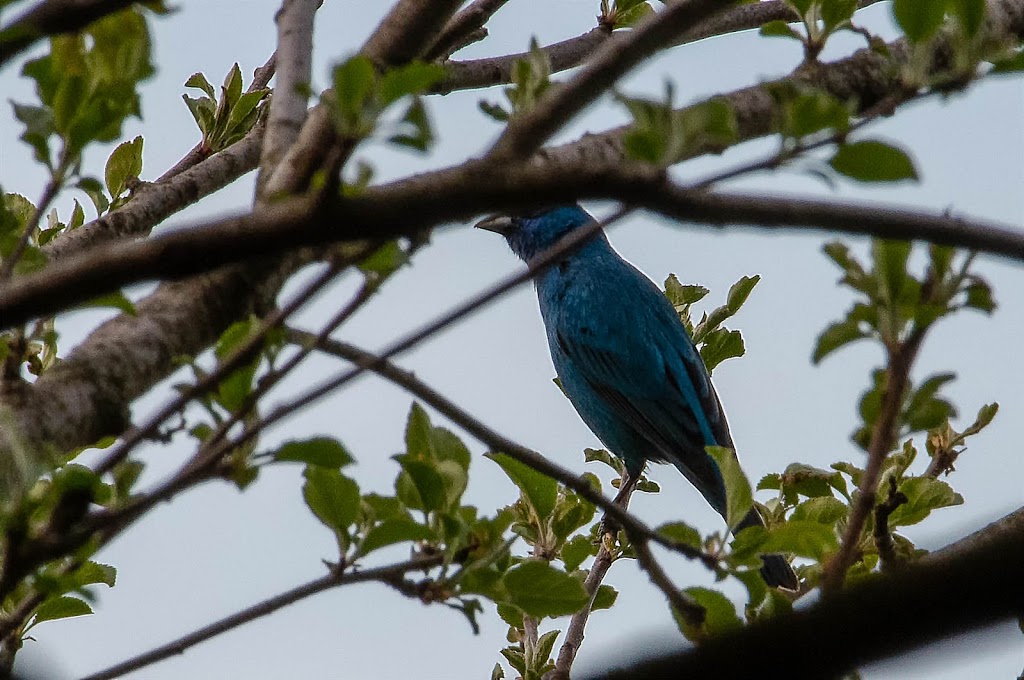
(215, 550)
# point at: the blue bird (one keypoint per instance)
(626, 361)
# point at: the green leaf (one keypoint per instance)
(419, 134)
(985, 415)
(679, 294)
(836, 12)
(241, 117)
(629, 12)
(970, 13)
(124, 162)
(94, 572)
(393, 531)
(1010, 64)
(681, 532)
(822, 509)
(353, 86)
(333, 497)
(116, 300)
(924, 494)
(321, 451)
(740, 291)
(979, 296)
(803, 538)
(61, 608)
(780, 29)
(576, 550)
(873, 161)
(919, 19)
(412, 79)
(199, 82)
(719, 345)
(385, 260)
(420, 484)
(539, 490)
(836, 336)
(232, 88)
(719, 618)
(739, 497)
(604, 598)
(541, 590)
(418, 440)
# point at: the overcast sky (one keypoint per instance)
(214, 550)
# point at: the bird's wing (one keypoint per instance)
(656, 383)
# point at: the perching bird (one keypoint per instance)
(626, 362)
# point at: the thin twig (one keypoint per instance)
(388, 574)
(53, 186)
(883, 538)
(461, 27)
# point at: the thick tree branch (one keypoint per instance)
(529, 130)
(52, 17)
(404, 208)
(391, 575)
(975, 583)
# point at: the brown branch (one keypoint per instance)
(977, 581)
(529, 130)
(394, 210)
(461, 27)
(479, 73)
(52, 17)
(883, 436)
(390, 575)
(883, 537)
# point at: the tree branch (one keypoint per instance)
(397, 209)
(294, 64)
(389, 575)
(974, 583)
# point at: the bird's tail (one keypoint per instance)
(775, 569)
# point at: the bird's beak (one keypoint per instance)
(499, 224)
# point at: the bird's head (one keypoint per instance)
(530, 234)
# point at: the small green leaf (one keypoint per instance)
(629, 13)
(124, 162)
(394, 531)
(116, 300)
(321, 451)
(681, 532)
(873, 161)
(836, 336)
(412, 79)
(780, 29)
(353, 86)
(540, 491)
(740, 291)
(804, 538)
(541, 590)
(61, 608)
(199, 82)
(94, 572)
(333, 497)
(919, 19)
(423, 478)
(679, 294)
(822, 509)
(837, 12)
(924, 494)
(385, 260)
(739, 497)
(576, 550)
(719, 618)
(604, 598)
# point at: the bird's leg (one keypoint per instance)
(627, 484)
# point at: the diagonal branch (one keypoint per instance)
(462, 26)
(391, 575)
